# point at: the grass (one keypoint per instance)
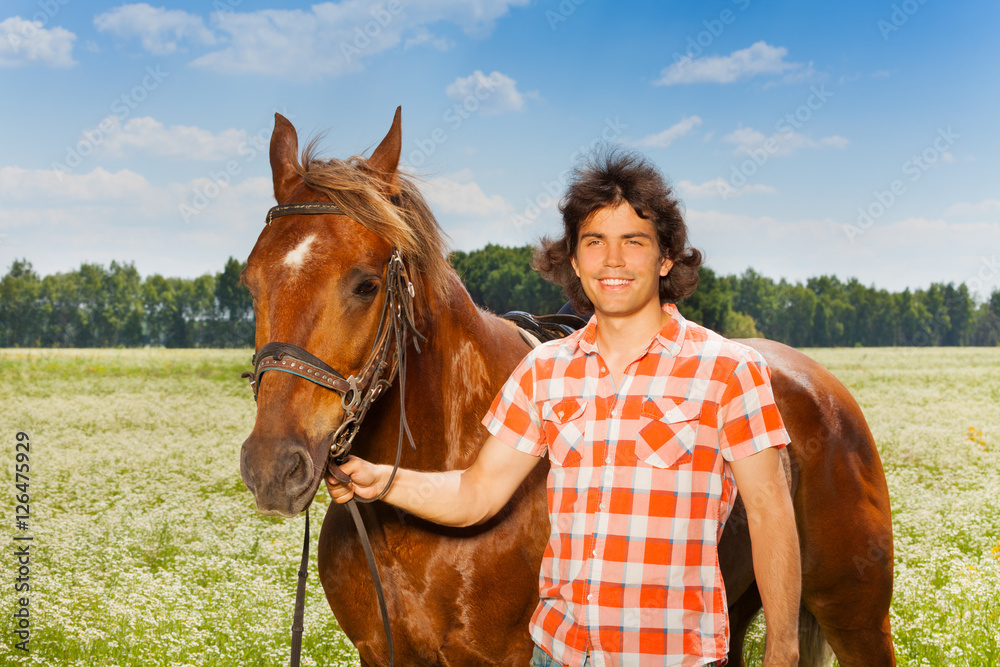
(148, 550)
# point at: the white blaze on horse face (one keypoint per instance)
(297, 255)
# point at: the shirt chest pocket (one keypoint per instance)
(668, 430)
(564, 424)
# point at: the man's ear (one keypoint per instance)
(665, 265)
(576, 269)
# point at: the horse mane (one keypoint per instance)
(405, 220)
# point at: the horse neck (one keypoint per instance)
(449, 385)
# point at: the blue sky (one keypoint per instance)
(856, 138)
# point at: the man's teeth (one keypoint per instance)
(615, 281)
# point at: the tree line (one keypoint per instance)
(97, 306)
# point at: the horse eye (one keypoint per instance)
(367, 287)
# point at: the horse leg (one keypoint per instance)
(741, 615)
(814, 651)
(865, 647)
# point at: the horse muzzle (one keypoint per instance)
(281, 475)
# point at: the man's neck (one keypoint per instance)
(620, 340)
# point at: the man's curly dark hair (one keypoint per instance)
(610, 177)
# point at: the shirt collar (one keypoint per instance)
(670, 337)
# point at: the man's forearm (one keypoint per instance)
(778, 570)
(440, 497)
(451, 498)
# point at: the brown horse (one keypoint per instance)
(465, 596)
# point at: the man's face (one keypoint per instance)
(618, 261)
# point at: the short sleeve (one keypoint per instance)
(749, 421)
(514, 418)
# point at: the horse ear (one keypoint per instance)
(385, 160)
(284, 149)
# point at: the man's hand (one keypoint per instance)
(367, 480)
(760, 479)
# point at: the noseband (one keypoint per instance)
(357, 391)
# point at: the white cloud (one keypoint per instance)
(99, 216)
(785, 142)
(424, 36)
(721, 188)
(671, 134)
(834, 141)
(25, 42)
(159, 30)
(148, 135)
(17, 184)
(987, 207)
(492, 95)
(460, 195)
(760, 58)
(330, 39)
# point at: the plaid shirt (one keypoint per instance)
(639, 488)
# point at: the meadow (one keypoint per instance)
(147, 550)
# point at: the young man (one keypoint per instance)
(648, 421)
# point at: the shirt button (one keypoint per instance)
(607, 460)
(590, 598)
(604, 506)
(594, 552)
(603, 369)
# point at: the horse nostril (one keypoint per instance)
(300, 473)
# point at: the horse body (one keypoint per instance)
(842, 513)
(465, 596)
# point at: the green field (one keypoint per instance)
(147, 550)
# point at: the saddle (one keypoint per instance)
(538, 329)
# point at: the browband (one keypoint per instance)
(311, 208)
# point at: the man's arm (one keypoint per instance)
(451, 498)
(760, 479)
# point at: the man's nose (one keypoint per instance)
(613, 256)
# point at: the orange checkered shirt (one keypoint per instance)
(639, 488)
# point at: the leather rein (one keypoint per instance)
(385, 361)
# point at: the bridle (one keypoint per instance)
(357, 391)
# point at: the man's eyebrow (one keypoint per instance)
(629, 235)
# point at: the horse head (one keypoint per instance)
(320, 277)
